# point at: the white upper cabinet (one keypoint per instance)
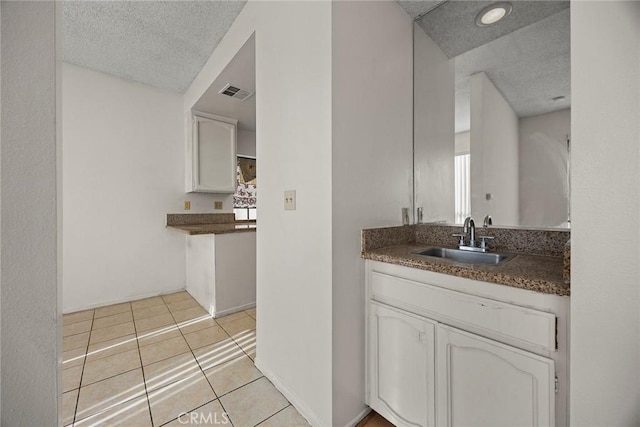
(211, 154)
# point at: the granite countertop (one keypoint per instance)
(540, 273)
(216, 228)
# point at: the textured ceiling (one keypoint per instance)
(529, 67)
(241, 72)
(160, 43)
(526, 56)
(452, 24)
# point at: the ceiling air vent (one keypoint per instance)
(235, 92)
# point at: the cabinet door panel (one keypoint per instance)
(402, 364)
(485, 383)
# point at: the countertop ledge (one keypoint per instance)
(218, 228)
(539, 273)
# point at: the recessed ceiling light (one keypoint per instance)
(558, 98)
(493, 14)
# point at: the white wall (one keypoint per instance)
(494, 154)
(605, 207)
(434, 127)
(371, 167)
(293, 130)
(544, 184)
(123, 151)
(462, 143)
(246, 143)
(31, 321)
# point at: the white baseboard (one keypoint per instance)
(221, 313)
(120, 300)
(304, 410)
(354, 422)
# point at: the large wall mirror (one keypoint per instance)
(492, 111)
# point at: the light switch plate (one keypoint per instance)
(217, 205)
(290, 200)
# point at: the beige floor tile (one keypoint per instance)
(240, 326)
(146, 303)
(154, 322)
(170, 370)
(211, 414)
(71, 378)
(232, 375)
(76, 328)
(215, 354)
(205, 337)
(134, 413)
(150, 311)
(231, 317)
(111, 347)
(175, 297)
(78, 316)
(288, 417)
(73, 358)
(251, 312)
(190, 314)
(98, 370)
(69, 401)
(157, 335)
(116, 319)
(253, 403)
(110, 310)
(75, 341)
(197, 324)
(163, 350)
(107, 393)
(169, 402)
(247, 342)
(116, 331)
(183, 305)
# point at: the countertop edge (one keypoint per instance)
(223, 229)
(512, 280)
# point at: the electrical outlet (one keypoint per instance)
(217, 205)
(187, 205)
(290, 200)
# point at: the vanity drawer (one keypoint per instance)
(495, 319)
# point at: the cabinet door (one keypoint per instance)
(485, 383)
(214, 156)
(401, 366)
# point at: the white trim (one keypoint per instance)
(217, 314)
(121, 300)
(301, 407)
(361, 416)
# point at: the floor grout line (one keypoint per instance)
(84, 363)
(144, 380)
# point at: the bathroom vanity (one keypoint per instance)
(457, 344)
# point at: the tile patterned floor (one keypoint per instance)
(148, 362)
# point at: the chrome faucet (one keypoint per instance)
(487, 221)
(469, 228)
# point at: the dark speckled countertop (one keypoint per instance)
(538, 262)
(209, 223)
(232, 227)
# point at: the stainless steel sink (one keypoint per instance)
(466, 256)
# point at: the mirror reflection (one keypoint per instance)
(492, 111)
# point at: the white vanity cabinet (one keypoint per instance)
(211, 154)
(402, 355)
(448, 351)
